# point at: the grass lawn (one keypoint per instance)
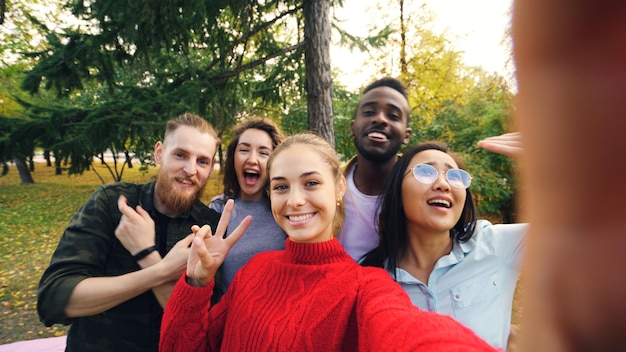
(32, 219)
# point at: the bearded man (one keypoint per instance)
(118, 259)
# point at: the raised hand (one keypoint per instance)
(136, 229)
(208, 251)
(509, 144)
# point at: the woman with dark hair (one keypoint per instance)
(433, 245)
(245, 181)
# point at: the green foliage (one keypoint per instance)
(450, 101)
(344, 104)
(130, 67)
(228, 60)
(486, 113)
(118, 70)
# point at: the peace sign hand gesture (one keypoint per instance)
(208, 251)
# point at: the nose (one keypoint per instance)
(252, 158)
(296, 197)
(190, 167)
(380, 118)
(441, 184)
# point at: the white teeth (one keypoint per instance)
(251, 172)
(377, 135)
(439, 202)
(300, 217)
(185, 181)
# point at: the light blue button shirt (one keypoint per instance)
(475, 283)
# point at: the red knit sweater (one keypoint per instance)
(309, 297)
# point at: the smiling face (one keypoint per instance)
(186, 160)
(304, 193)
(250, 158)
(434, 207)
(380, 124)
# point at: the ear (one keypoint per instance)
(341, 187)
(352, 128)
(158, 152)
(407, 135)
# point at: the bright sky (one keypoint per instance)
(476, 27)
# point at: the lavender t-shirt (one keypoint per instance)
(359, 233)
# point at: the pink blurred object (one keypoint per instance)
(50, 344)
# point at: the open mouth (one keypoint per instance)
(379, 136)
(440, 203)
(251, 177)
(185, 181)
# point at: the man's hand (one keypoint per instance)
(208, 251)
(136, 228)
(175, 261)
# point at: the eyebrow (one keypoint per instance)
(186, 152)
(304, 174)
(249, 145)
(449, 166)
(374, 103)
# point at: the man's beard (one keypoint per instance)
(175, 201)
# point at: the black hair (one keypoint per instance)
(390, 82)
(392, 229)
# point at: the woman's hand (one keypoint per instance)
(208, 251)
(509, 144)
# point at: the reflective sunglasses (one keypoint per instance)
(428, 174)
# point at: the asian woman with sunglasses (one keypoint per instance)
(433, 245)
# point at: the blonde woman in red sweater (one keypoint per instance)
(309, 297)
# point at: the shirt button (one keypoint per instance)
(457, 297)
(495, 283)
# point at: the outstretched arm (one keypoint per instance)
(571, 73)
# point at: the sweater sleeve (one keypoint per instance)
(388, 321)
(185, 322)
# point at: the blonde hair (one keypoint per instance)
(191, 120)
(329, 155)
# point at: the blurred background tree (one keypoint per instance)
(82, 79)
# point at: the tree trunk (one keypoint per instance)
(318, 74)
(58, 170)
(22, 169)
(404, 71)
(46, 155)
(129, 160)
